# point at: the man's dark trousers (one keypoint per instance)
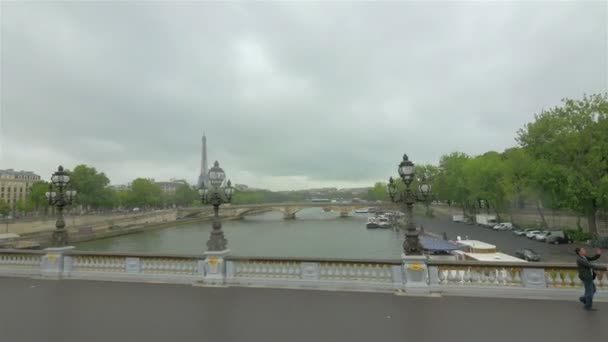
(589, 292)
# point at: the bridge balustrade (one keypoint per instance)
(439, 276)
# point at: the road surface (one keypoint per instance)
(79, 311)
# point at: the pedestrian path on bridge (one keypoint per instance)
(77, 310)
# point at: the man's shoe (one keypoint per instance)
(582, 300)
(591, 309)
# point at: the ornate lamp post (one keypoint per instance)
(406, 169)
(216, 195)
(60, 199)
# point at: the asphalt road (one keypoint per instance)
(506, 241)
(71, 310)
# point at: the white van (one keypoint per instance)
(504, 226)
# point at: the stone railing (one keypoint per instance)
(132, 266)
(410, 275)
(376, 274)
(513, 279)
(18, 262)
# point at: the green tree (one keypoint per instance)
(145, 193)
(248, 197)
(450, 183)
(108, 199)
(24, 206)
(484, 179)
(37, 199)
(5, 208)
(185, 195)
(574, 139)
(377, 193)
(92, 187)
(124, 198)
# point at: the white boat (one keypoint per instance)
(362, 211)
(383, 222)
(372, 223)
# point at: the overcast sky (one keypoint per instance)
(290, 95)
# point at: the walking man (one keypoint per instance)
(586, 273)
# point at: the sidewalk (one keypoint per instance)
(70, 310)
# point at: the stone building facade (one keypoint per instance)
(16, 185)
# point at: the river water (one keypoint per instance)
(313, 233)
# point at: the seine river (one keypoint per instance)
(313, 233)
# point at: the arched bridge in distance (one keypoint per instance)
(288, 209)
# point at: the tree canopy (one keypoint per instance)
(92, 188)
(561, 163)
(572, 141)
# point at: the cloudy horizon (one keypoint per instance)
(289, 95)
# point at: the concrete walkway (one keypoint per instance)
(71, 310)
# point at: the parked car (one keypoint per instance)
(527, 254)
(530, 234)
(557, 237)
(536, 236)
(522, 232)
(458, 218)
(503, 226)
(542, 236)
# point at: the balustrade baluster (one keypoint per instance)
(441, 275)
(558, 279)
(467, 276)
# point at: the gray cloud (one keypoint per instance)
(290, 94)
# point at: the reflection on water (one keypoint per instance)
(314, 233)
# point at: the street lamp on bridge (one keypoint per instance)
(216, 195)
(60, 199)
(406, 169)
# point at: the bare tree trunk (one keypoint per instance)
(539, 208)
(591, 220)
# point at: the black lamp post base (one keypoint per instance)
(412, 247)
(60, 238)
(217, 242)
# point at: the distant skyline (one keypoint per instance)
(291, 95)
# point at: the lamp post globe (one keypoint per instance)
(406, 170)
(216, 175)
(424, 188)
(229, 190)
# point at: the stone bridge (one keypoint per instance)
(288, 209)
(64, 294)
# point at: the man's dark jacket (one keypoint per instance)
(585, 267)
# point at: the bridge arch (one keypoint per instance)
(289, 210)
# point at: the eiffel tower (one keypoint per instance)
(203, 178)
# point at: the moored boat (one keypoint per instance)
(372, 223)
(383, 222)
